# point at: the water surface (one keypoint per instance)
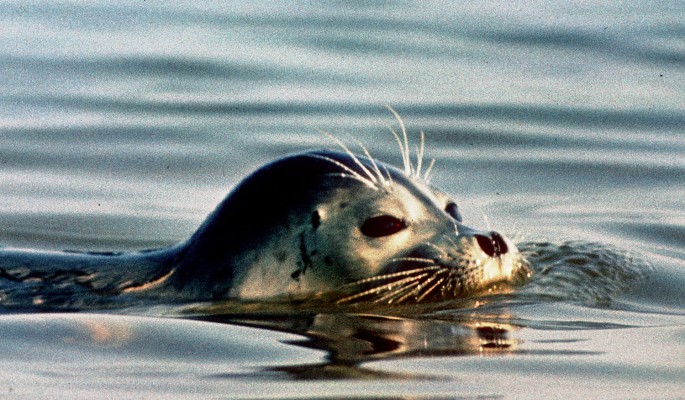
(123, 125)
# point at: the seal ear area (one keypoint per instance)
(382, 225)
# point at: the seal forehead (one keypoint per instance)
(373, 174)
(399, 196)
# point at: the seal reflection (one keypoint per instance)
(351, 340)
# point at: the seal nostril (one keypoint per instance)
(486, 244)
(499, 242)
(492, 245)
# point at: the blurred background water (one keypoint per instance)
(122, 124)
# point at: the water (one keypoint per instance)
(122, 125)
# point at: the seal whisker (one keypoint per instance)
(357, 175)
(430, 289)
(339, 164)
(387, 286)
(487, 222)
(352, 155)
(416, 259)
(405, 161)
(356, 178)
(377, 170)
(393, 275)
(403, 129)
(412, 288)
(436, 247)
(448, 283)
(392, 296)
(427, 175)
(417, 290)
(457, 284)
(419, 155)
(452, 242)
(518, 236)
(389, 177)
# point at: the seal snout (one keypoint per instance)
(492, 244)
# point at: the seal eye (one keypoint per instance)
(452, 209)
(383, 225)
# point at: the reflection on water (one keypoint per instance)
(350, 340)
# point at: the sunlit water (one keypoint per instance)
(561, 124)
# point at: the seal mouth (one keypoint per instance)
(483, 263)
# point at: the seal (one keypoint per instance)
(320, 222)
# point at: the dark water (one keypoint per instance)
(561, 124)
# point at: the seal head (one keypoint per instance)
(332, 222)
